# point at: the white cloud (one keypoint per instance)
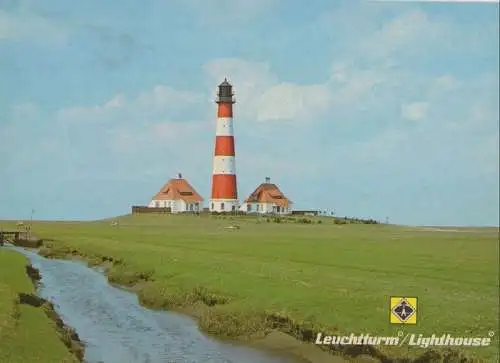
(155, 104)
(351, 84)
(163, 97)
(381, 147)
(442, 85)
(229, 12)
(462, 138)
(359, 82)
(156, 127)
(93, 113)
(287, 101)
(116, 102)
(26, 110)
(132, 138)
(415, 111)
(413, 34)
(160, 126)
(250, 79)
(398, 33)
(262, 97)
(22, 25)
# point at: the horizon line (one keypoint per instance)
(84, 220)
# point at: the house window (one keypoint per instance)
(157, 204)
(190, 207)
(258, 207)
(249, 207)
(222, 206)
(212, 206)
(233, 208)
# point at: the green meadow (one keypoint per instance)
(294, 277)
(27, 335)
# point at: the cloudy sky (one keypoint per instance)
(376, 109)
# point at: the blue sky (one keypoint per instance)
(374, 109)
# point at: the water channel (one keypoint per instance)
(116, 329)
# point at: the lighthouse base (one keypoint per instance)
(223, 205)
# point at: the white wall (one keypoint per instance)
(177, 206)
(264, 208)
(223, 205)
(193, 206)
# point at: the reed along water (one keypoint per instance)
(115, 328)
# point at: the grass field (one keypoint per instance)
(298, 277)
(27, 335)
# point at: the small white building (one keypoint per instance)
(267, 199)
(179, 196)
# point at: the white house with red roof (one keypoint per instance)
(267, 199)
(179, 196)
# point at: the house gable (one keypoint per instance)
(270, 194)
(178, 189)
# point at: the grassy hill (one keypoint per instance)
(26, 332)
(297, 277)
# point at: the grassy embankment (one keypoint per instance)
(28, 329)
(297, 278)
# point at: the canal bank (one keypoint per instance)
(270, 333)
(279, 334)
(30, 328)
(268, 278)
(116, 328)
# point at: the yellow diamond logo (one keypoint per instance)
(403, 310)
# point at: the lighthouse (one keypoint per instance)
(224, 189)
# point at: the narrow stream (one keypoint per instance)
(116, 329)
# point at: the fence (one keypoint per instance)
(144, 209)
(305, 213)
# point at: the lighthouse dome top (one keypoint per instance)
(225, 83)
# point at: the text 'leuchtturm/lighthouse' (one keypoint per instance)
(224, 189)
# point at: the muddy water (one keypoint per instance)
(116, 329)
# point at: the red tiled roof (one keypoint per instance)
(178, 189)
(268, 193)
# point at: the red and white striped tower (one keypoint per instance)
(224, 190)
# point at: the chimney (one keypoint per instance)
(179, 175)
(268, 180)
